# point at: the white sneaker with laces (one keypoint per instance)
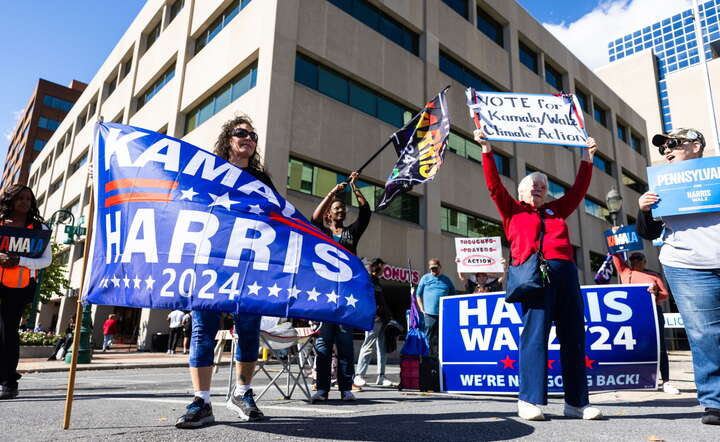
(530, 412)
(359, 381)
(383, 382)
(588, 413)
(669, 388)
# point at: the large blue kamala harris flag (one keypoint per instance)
(177, 227)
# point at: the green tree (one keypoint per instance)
(52, 281)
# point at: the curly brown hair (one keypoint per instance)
(222, 145)
(7, 203)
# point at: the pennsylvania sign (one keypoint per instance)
(691, 186)
(180, 228)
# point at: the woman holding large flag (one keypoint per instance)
(18, 280)
(531, 224)
(237, 144)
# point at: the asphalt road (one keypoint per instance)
(143, 404)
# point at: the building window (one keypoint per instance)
(110, 85)
(390, 28)
(502, 163)
(315, 180)
(631, 221)
(583, 100)
(228, 93)
(553, 77)
(464, 147)
(622, 132)
(57, 103)
(465, 224)
(175, 9)
(77, 164)
(603, 164)
(47, 123)
(528, 57)
(155, 87)
(463, 75)
(126, 67)
(600, 114)
(596, 209)
(152, 35)
(459, 6)
(343, 89)
(38, 145)
(636, 144)
(219, 24)
(490, 27)
(41, 200)
(597, 260)
(634, 182)
(55, 186)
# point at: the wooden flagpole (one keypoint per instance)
(78, 310)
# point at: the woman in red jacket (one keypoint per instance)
(561, 301)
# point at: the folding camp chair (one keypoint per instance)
(290, 352)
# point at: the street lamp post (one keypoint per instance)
(613, 199)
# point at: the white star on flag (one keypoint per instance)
(255, 208)
(222, 200)
(313, 294)
(116, 281)
(126, 280)
(149, 282)
(136, 282)
(274, 290)
(188, 194)
(103, 283)
(254, 288)
(351, 300)
(332, 297)
(293, 292)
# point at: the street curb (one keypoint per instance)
(86, 367)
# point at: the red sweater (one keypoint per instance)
(110, 327)
(630, 276)
(522, 223)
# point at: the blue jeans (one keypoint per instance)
(697, 295)
(431, 331)
(205, 325)
(561, 302)
(341, 337)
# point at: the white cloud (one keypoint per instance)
(15, 118)
(588, 36)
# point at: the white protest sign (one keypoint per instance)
(479, 255)
(528, 118)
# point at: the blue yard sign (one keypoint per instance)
(480, 337)
(691, 186)
(623, 239)
(177, 227)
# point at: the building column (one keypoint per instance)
(151, 321)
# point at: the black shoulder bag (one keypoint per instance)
(528, 279)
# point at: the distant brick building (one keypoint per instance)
(47, 107)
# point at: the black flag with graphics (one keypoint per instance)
(420, 146)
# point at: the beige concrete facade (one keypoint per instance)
(634, 78)
(296, 121)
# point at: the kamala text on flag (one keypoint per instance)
(420, 146)
(180, 228)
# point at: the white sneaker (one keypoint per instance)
(530, 412)
(359, 381)
(382, 382)
(587, 412)
(669, 388)
(347, 396)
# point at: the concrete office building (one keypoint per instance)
(659, 70)
(326, 82)
(46, 108)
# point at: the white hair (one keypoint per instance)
(527, 182)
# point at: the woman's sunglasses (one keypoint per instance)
(672, 144)
(244, 133)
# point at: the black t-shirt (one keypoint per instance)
(262, 176)
(350, 236)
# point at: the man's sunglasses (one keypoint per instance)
(673, 143)
(244, 133)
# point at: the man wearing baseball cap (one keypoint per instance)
(690, 256)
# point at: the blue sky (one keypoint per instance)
(60, 41)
